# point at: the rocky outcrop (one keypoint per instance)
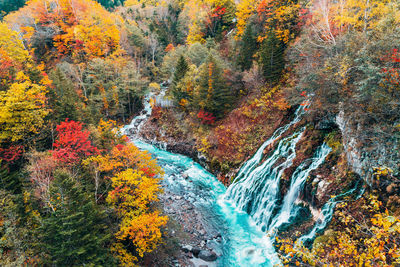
(366, 148)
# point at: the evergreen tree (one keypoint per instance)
(248, 47)
(272, 57)
(214, 95)
(10, 181)
(109, 4)
(181, 69)
(18, 239)
(74, 233)
(63, 98)
(7, 6)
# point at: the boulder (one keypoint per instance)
(208, 255)
(186, 248)
(196, 252)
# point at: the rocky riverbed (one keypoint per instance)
(197, 245)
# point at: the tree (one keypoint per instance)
(197, 53)
(72, 144)
(78, 29)
(134, 192)
(271, 57)
(7, 6)
(248, 47)
(167, 26)
(22, 109)
(18, 230)
(63, 99)
(109, 4)
(362, 15)
(135, 186)
(75, 233)
(213, 94)
(280, 18)
(112, 87)
(244, 10)
(181, 69)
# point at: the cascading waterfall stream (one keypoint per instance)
(255, 160)
(326, 215)
(299, 177)
(256, 193)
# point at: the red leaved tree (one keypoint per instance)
(72, 144)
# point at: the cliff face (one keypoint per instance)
(367, 147)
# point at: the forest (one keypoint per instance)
(281, 119)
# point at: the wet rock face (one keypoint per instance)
(365, 148)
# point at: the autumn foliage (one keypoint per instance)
(72, 144)
(81, 29)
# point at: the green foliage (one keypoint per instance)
(111, 89)
(64, 100)
(10, 181)
(135, 36)
(181, 69)
(271, 57)
(213, 93)
(109, 4)
(248, 47)
(17, 230)
(7, 6)
(74, 233)
(168, 28)
(197, 53)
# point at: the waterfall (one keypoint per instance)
(288, 210)
(257, 192)
(255, 160)
(256, 187)
(326, 215)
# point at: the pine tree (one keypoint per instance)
(181, 69)
(10, 181)
(248, 47)
(63, 98)
(7, 6)
(214, 95)
(272, 57)
(74, 233)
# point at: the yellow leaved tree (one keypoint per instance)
(22, 109)
(135, 185)
(133, 195)
(22, 100)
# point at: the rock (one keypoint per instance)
(202, 243)
(207, 255)
(178, 197)
(196, 251)
(250, 252)
(185, 176)
(391, 188)
(326, 123)
(322, 187)
(202, 232)
(186, 248)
